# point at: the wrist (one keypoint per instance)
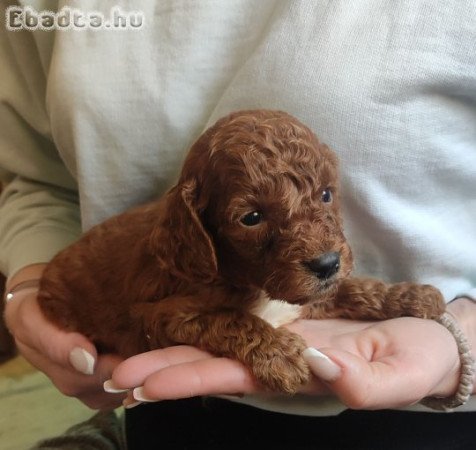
(464, 311)
(464, 389)
(22, 285)
(31, 272)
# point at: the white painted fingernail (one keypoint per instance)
(321, 365)
(110, 388)
(82, 361)
(138, 394)
(131, 405)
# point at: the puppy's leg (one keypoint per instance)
(369, 299)
(274, 356)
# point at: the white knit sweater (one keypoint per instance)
(103, 118)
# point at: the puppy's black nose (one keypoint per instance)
(326, 265)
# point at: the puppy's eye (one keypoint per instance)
(326, 195)
(251, 219)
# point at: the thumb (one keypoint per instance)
(78, 351)
(32, 329)
(362, 384)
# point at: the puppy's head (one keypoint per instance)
(257, 203)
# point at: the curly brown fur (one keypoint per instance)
(369, 299)
(189, 267)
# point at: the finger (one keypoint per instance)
(133, 371)
(97, 398)
(67, 349)
(103, 401)
(211, 376)
(361, 384)
(315, 386)
(87, 388)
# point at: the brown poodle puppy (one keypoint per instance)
(254, 215)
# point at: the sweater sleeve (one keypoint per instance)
(39, 211)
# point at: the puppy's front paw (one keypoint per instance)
(417, 300)
(279, 365)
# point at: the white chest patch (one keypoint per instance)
(275, 312)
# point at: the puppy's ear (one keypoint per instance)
(180, 242)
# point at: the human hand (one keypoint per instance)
(387, 364)
(69, 359)
(372, 365)
(179, 372)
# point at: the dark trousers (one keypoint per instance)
(219, 424)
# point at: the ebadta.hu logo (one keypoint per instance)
(27, 18)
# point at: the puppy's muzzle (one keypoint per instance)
(325, 266)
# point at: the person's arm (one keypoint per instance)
(39, 215)
(39, 212)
